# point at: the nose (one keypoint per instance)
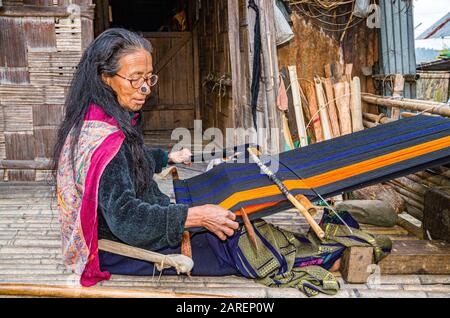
(144, 89)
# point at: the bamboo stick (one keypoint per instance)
(369, 124)
(355, 105)
(182, 263)
(91, 292)
(378, 119)
(323, 110)
(342, 94)
(410, 104)
(314, 110)
(314, 226)
(332, 110)
(299, 116)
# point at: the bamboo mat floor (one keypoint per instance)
(30, 254)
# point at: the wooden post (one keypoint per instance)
(355, 264)
(332, 110)
(399, 86)
(355, 105)
(342, 94)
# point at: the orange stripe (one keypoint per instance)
(341, 173)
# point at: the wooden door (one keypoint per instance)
(172, 103)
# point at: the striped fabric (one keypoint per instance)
(331, 167)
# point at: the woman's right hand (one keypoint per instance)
(218, 220)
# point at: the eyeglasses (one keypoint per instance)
(137, 83)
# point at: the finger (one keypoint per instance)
(228, 231)
(231, 215)
(234, 225)
(220, 235)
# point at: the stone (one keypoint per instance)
(373, 212)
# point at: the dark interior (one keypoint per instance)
(146, 15)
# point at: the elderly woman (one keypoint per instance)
(105, 187)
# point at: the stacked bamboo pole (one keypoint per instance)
(408, 104)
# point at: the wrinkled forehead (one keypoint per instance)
(138, 62)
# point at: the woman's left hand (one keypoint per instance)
(182, 156)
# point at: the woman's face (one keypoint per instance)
(132, 66)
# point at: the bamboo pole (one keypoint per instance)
(355, 105)
(314, 110)
(410, 104)
(342, 94)
(182, 263)
(299, 115)
(314, 226)
(323, 109)
(91, 292)
(332, 110)
(377, 119)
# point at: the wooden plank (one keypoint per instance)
(399, 86)
(417, 257)
(44, 11)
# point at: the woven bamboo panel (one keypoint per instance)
(20, 146)
(40, 33)
(47, 115)
(18, 118)
(21, 95)
(44, 175)
(21, 175)
(2, 135)
(14, 75)
(52, 68)
(54, 94)
(68, 34)
(45, 141)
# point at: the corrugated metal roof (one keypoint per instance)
(397, 41)
(438, 30)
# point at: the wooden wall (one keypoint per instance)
(312, 48)
(41, 42)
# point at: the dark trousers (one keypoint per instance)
(205, 261)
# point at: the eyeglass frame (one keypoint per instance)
(145, 80)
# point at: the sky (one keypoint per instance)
(426, 13)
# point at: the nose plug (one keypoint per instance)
(143, 90)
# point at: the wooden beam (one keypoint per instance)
(417, 257)
(91, 292)
(45, 11)
(26, 164)
(399, 86)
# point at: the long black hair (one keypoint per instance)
(102, 58)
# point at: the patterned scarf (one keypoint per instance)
(77, 188)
